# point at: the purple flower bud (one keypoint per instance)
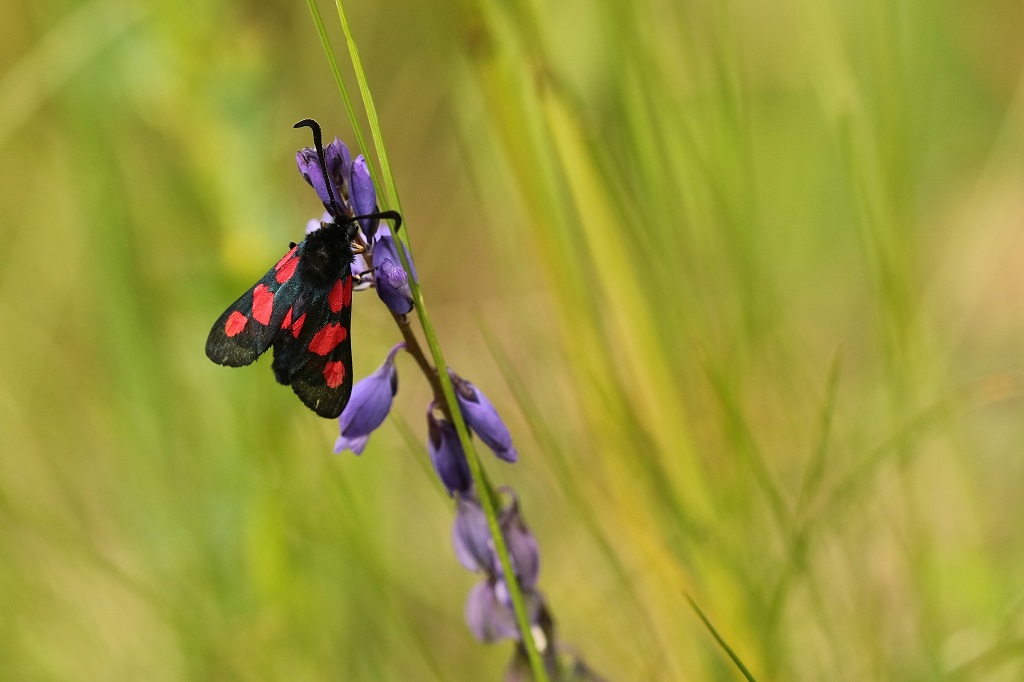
(309, 166)
(485, 421)
(368, 406)
(489, 620)
(339, 165)
(522, 546)
(337, 160)
(335, 155)
(384, 234)
(471, 539)
(364, 196)
(447, 454)
(392, 281)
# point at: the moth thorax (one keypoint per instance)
(327, 252)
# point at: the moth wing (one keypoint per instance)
(317, 362)
(288, 347)
(251, 324)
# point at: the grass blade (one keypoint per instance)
(721, 642)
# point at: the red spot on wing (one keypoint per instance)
(235, 324)
(327, 338)
(286, 267)
(346, 298)
(287, 319)
(297, 325)
(284, 259)
(334, 374)
(262, 303)
(341, 294)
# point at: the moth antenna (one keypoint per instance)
(387, 215)
(318, 143)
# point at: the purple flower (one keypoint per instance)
(471, 536)
(369, 406)
(447, 454)
(522, 546)
(481, 416)
(309, 166)
(364, 196)
(489, 619)
(392, 281)
(471, 539)
(337, 158)
(345, 163)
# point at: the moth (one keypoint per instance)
(302, 308)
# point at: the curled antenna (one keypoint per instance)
(318, 143)
(387, 215)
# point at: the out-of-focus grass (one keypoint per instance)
(750, 277)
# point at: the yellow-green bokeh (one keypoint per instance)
(745, 279)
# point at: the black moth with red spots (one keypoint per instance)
(303, 308)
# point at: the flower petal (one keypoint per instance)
(368, 406)
(522, 545)
(446, 453)
(339, 162)
(471, 537)
(364, 196)
(485, 421)
(490, 620)
(385, 231)
(356, 445)
(487, 619)
(309, 166)
(391, 280)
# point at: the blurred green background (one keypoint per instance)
(745, 279)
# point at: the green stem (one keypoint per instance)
(487, 497)
(412, 346)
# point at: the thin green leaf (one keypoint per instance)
(721, 642)
(356, 128)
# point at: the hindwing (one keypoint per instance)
(316, 358)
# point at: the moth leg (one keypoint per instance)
(358, 248)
